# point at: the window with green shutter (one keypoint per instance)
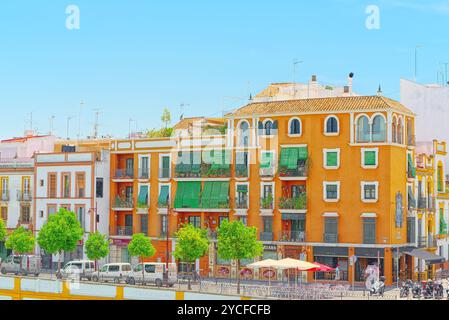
(143, 196)
(163, 196)
(266, 160)
(370, 158)
(187, 195)
(331, 159)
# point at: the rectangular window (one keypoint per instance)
(330, 230)
(241, 164)
(195, 221)
(129, 171)
(165, 167)
(164, 196)
(4, 212)
(65, 185)
(4, 189)
(51, 185)
(242, 196)
(369, 231)
(80, 213)
(164, 225)
(268, 224)
(80, 185)
(331, 159)
(99, 185)
(144, 170)
(25, 214)
(370, 158)
(370, 192)
(144, 224)
(331, 192)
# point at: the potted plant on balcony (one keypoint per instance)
(267, 202)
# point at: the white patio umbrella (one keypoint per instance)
(290, 263)
(268, 263)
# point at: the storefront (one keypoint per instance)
(333, 257)
(119, 251)
(368, 257)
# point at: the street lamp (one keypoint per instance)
(167, 253)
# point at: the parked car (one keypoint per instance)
(116, 272)
(153, 273)
(23, 265)
(82, 269)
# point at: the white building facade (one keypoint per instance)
(78, 182)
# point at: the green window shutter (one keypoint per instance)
(195, 195)
(303, 153)
(293, 158)
(163, 195)
(215, 195)
(179, 194)
(205, 196)
(370, 158)
(224, 194)
(143, 195)
(331, 159)
(266, 160)
(242, 188)
(284, 157)
(166, 163)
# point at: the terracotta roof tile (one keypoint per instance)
(335, 104)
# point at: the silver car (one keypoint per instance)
(22, 265)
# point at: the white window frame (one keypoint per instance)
(294, 135)
(145, 155)
(331, 134)
(149, 191)
(262, 184)
(263, 135)
(362, 191)
(363, 150)
(325, 166)
(247, 197)
(329, 183)
(161, 155)
(249, 163)
(239, 134)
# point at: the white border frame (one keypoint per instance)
(247, 199)
(325, 166)
(362, 157)
(327, 183)
(362, 191)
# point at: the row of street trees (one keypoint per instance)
(62, 232)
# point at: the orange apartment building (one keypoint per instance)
(323, 179)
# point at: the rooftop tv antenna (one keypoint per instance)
(79, 119)
(181, 110)
(96, 123)
(295, 63)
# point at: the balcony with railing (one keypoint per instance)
(124, 231)
(266, 236)
(301, 171)
(24, 195)
(241, 171)
(4, 195)
(292, 236)
(427, 241)
(330, 238)
(124, 174)
(266, 206)
(123, 204)
(298, 203)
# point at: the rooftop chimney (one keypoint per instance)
(314, 78)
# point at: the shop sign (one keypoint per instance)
(246, 273)
(269, 274)
(121, 242)
(270, 247)
(223, 271)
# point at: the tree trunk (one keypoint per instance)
(59, 262)
(238, 276)
(189, 286)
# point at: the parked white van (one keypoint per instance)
(116, 272)
(23, 265)
(81, 269)
(153, 273)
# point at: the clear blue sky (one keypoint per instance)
(132, 58)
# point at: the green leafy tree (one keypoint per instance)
(191, 245)
(61, 233)
(166, 117)
(237, 242)
(3, 231)
(20, 241)
(141, 246)
(97, 247)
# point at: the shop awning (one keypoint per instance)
(428, 257)
(215, 195)
(187, 195)
(163, 195)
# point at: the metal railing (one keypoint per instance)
(241, 204)
(123, 203)
(292, 236)
(267, 172)
(124, 173)
(297, 203)
(266, 236)
(24, 195)
(144, 173)
(124, 231)
(4, 195)
(241, 171)
(330, 238)
(266, 203)
(301, 171)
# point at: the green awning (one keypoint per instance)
(303, 153)
(187, 195)
(215, 194)
(163, 195)
(293, 156)
(290, 156)
(143, 195)
(266, 160)
(242, 188)
(206, 195)
(224, 195)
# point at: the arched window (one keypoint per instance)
(244, 134)
(379, 129)
(295, 127)
(393, 131)
(400, 132)
(332, 125)
(363, 130)
(268, 127)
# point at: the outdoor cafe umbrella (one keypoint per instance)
(268, 263)
(298, 265)
(321, 268)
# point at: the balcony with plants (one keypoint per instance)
(122, 204)
(293, 163)
(241, 171)
(298, 203)
(292, 236)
